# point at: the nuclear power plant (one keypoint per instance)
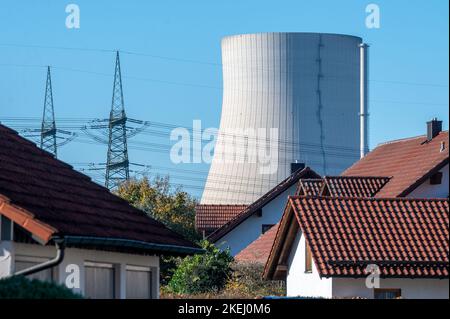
(308, 89)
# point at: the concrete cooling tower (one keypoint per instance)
(308, 89)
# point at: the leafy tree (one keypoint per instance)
(173, 207)
(202, 273)
(18, 287)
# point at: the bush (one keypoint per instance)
(19, 287)
(203, 273)
(247, 281)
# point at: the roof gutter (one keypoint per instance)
(60, 246)
(128, 243)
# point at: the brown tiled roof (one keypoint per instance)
(208, 218)
(410, 162)
(406, 238)
(259, 250)
(49, 198)
(339, 186)
(262, 201)
(353, 186)
(310, 187)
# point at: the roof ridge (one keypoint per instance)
(358, 176)
(406, 139)
(220, 205)
(399, 199)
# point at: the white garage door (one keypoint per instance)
(45, 275)
(99, 281)
(139, 283)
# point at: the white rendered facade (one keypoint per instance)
(427, 190)
(306, 86)
(250, 229)
(300, 283)
(309, 284)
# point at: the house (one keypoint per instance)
(308, 187)
(335, 186)
(258, 251)
(338, 247)
(418, 166)
(414, 167)
(209, 218)
(260, 216)
(76, 232)
(353, 186)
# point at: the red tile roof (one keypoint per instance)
(259, 250)
(410, 162)
(262, 201)
(310, 187)
(353, 186)
(335, 186)
(404, 237)
(49, 198)
(208, 218)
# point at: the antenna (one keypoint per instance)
(117, 165)
(48, 128)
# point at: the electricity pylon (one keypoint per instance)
(117, 164)
(48, 136)
(48, 127)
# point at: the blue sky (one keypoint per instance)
(179, 77)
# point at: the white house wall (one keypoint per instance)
(78, 257)
(305, 85)
(249, 230)
(302, 284)
(6, 258)
(410, 288)
(426, 190)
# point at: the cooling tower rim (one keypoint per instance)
(242, 35)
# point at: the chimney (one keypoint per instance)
(296, 167)
(434, 127)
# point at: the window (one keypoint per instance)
(266, 227)
(5, 228)
(139, 283)
(99, 281)
(436, 179)
(308, 259)
(387, 293)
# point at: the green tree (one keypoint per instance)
(207, 272)
(173, 207)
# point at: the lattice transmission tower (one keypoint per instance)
(115, 132)
(48, 137)
(48, 127)
(117, 164)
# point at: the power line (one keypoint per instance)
(169, 127)
(183, 60)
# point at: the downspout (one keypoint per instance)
(60, 246)
(364, 98)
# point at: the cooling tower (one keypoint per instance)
(309, 88)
